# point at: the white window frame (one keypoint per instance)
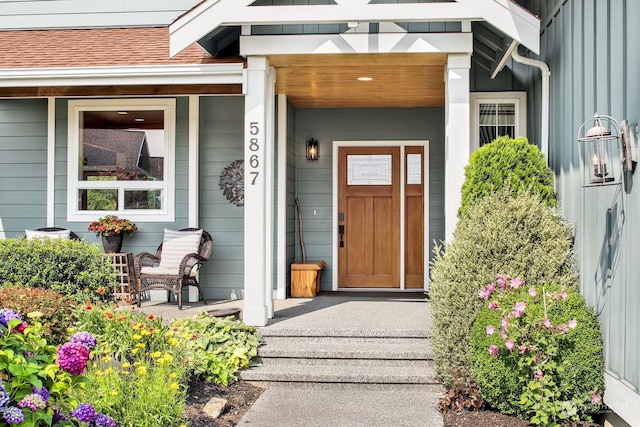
(519, 99)
(74, 183)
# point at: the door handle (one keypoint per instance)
(341, 235)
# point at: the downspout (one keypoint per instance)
(544, 125)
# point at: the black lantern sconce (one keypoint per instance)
(313, 149)
(605, 151)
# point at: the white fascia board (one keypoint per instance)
(192, 27)
(510, 18)
(101, 76)
(357, 43)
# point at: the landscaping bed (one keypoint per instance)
(240, 396)
(495, 419)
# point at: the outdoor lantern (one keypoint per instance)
(601, 151)
(313, 150)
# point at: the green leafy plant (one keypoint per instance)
(536, 352)
(218, 346)
(37, 379)
(517, 234)
(111, 224)
(76, 269)
(56, 310)
(505, 162)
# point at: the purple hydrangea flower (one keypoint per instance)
(7, 314)
(58, 416)
(72, 357)
(43, 392)
(102, 420)
(32, 401)
(4, 396)
(84, 338)
(84, 412)
(13, 415)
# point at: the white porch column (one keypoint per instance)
(269, 188)
(256, 311)
(457, 136)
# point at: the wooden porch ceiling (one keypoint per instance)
(330, 80)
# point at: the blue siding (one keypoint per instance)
(23, 165)
(221, 142)
(29, 14)
(591, 47)
(314, 179)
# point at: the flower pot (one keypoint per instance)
(112, 243)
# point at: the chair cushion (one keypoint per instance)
(177, 244)
(36, 234)
(153, 271)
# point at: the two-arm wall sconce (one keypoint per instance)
(313, 149)
(605, 151)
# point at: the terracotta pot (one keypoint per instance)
(112, 243)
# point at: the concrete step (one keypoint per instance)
(311, 362)
(336, 373)
(276, 331)
(347, 348)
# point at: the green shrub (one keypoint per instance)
(513, 163)
(567, 356)
(76, 269)
(56, 310)
(515, 234)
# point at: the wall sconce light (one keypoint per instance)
(313, 149)
(605, 151)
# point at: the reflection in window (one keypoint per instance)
(122, 146)
(497, 119)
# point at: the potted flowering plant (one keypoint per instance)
(112, 229)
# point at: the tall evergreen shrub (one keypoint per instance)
(514, 234)
(514, 163)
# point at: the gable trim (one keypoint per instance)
(510, 18)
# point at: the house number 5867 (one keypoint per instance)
(254, 145)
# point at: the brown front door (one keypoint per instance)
(369, 217)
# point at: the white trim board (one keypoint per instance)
(117, 76)
(513, 20)
(357, 43)
(335, 185)
(622, 400)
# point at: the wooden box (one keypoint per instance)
(305, 278)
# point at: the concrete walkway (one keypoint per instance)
(323, 404)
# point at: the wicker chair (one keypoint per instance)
(151, 275)
(72, 235)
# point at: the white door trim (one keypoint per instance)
(425, 170)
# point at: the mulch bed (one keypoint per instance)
(240, 397)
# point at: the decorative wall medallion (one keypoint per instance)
(232, 182)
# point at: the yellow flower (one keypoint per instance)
(142, 370)
(107, 359)
(174, 342)
(134, 350)
(140, 345)
(136, 336)
(126, 365)
(167, 357)
(145, 333)
(174, 386)
(114, 393)
(172, 375)
(156, 354)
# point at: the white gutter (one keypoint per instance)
(544, 125)
(135, 75)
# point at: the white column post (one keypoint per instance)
(269, 188)
(457, 136)
(281, 292)
(255, 227)
(51, 161)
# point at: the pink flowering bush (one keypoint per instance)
(536, 352)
